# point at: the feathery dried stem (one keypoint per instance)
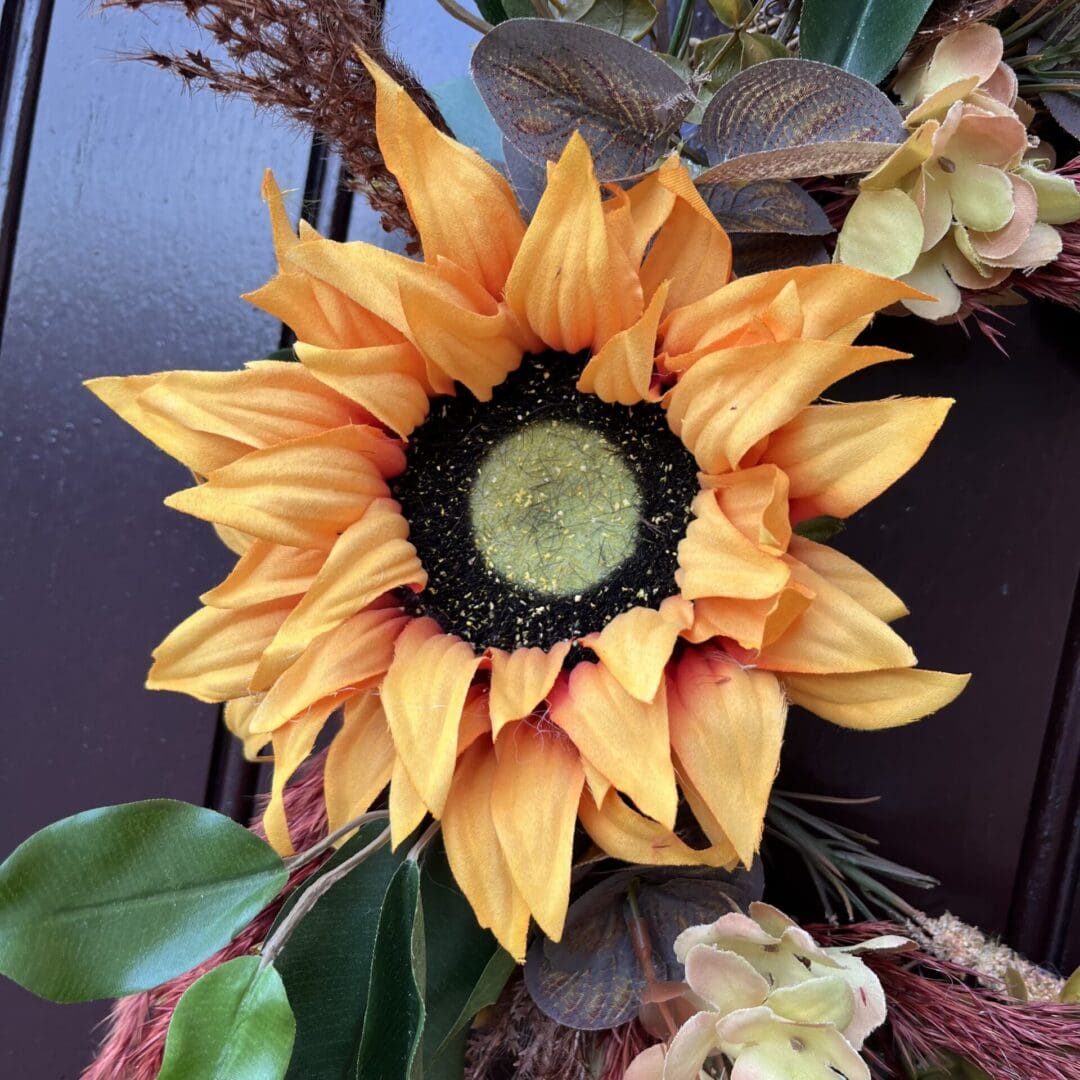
(298, 57)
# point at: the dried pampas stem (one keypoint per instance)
(298, 57)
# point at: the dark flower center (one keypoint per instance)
(544, 513)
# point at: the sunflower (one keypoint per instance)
(525, 511)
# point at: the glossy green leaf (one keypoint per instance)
(820, 529)
(865, 37)
(492, 10)
(630, 19)
(394, 1019)
(489, 986)
(234, 1023)
(120, 899)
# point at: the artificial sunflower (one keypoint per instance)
(524, 513)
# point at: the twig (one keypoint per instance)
(304, 857)
(453, 8)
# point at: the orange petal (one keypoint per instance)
(871, 700)
(463, 208)
(750, 623)
(407, 809)
(834, 634)
(348, 657)
(387, 380)
(715, 559)
(637, 645)
(723, 850)
(359, 761)
(424, 694)
(847, 574)
(649, 204)
(301, 494)
(371, 557)
(727, 725)
(622, 370)
(755, 501)
(213, 654)
(534, 800)
(476, 856)
(292, 744)
(521, 680)
(239, 543)
(839, 457)
(625, 739)
(625, 834)
(691, 251)
(266, 572)
(237, 715)
(572, 283)
(729, 399)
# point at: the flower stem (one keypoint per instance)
(467, 17)
(304, 857)
(680, 32)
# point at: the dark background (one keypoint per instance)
(131, 222)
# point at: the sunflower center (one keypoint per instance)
(542, 514)
(554, 508)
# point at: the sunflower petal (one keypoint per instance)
(266, 572)
(750, 623)
(625, 739)
(424, 694)
(237, 715)
(847, 574)
(407, 809)
(534, 799)
(520, 680)
(637, 645)
(572, 283)
(839, 457)
(872, 700)
(359, 762)
(727, 725)
(371, 557)
(302, 493)
(213, 654)
(755, 501)
(476, 856)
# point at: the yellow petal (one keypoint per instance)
(239, 543)
(407, 809)
(534, 801)
(387, 380)
(301, 494)
(292, 744)
(834, 634)
(637, 645)
(572, 283)
(847, 574)
(359, 761)
(462, 207)
(722, 848)
(907, 157)
(625, 834)
(730, 399)
(727, 725)
(371, 557)
(237, 715)
(424, 694)
(622, 370)
(691, 251)
(715, 559)
(650, 202)
(871, 700)
(266, 572)
(755, 501)
(750, 623)
(520, 680)
(625, 739)
(213, 654)
(476, 856)
(839, 457)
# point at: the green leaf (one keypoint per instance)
(394, 1019)
(492, 10)
(866, 37)
(820, 529)
(630, 19)
(234, 1023)
(486, 992)
(519, 9)
(120, 899)
(328, 959)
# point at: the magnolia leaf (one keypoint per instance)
(630, 19)
(234, 1023)
(486, 992)
(591, 979)
(120, 899)
(866, 38)
(785, 119)
(756, 253)
(492, 10)
(542, 80)
(775, 206)
(394, 1018)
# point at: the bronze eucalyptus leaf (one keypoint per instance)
(542, 80)
(792, 118)
(769, 206)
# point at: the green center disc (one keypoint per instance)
(554, 508)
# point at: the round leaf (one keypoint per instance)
(232, 1024)
(542, 80)
(768, 206)
(117, 900)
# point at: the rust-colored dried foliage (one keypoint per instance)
(298, 57)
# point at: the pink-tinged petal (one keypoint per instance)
(1003, 85)
(724, 979)
(974, 50)
(691, 1045)
(648, 1065)
(1042, 246)
(931, 194)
